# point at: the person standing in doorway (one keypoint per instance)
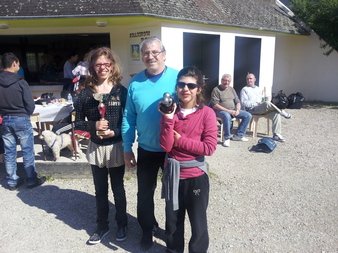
(145, 90)
(68, 76)
(16, 105)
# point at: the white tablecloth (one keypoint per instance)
(52, 112)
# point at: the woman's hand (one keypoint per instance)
(109, 133)
(101, 125)
(167, 115)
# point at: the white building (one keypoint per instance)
(234, 37)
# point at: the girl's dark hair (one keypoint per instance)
(195, 73)
(115, 75)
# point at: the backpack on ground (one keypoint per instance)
(280, 100)
(265, 145)
(296, 100)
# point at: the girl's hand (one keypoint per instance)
(167, 115)
(101, 125)
(176, 137)
(109, 133)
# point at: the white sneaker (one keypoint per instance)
(237, 138)
(285, 114)
(278, 137)
(226, 143)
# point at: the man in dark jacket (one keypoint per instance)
(16, 105)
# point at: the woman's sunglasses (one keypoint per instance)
(191, 86)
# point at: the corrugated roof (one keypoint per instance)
(252, 14)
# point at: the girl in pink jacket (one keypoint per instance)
(187, 135)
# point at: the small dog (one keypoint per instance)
(58, 142)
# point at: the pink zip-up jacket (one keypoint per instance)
(198, 132)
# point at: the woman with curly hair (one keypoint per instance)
(105, 152)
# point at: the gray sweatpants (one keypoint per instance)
(272, 111)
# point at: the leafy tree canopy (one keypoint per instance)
(322, 17)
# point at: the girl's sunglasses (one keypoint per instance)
(191, 86)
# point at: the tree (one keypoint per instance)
(322, 17)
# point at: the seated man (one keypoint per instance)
(227, 106)
(251, 98)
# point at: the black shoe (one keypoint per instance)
(121, 234)
(147, 240)
(18, 183)
(98, 236)
(38, 182)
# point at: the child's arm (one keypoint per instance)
(167, 134)
(167, 139)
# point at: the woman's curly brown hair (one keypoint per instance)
(115, 75)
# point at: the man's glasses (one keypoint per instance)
(153, 53)
(105, 65)
(191, 86)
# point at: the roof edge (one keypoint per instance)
(148, 15)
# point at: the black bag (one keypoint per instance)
(265, 145)
(280, 100)
(296, 100)
(47, 95)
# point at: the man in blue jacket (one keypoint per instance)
(145, 92)
(16, 105)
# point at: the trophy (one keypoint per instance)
(167, 103)
(101, 97)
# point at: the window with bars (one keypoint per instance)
(34, 61)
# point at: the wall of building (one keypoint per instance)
(288, 62)
(301, 66)
(172, 36)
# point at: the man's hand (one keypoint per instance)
(236, 113)
(129, 159)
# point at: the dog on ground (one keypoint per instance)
(58, 142)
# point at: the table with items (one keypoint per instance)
(53, 112)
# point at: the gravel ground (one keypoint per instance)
(285, 201)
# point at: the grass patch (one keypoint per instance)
(48, 177)
(213, 175)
